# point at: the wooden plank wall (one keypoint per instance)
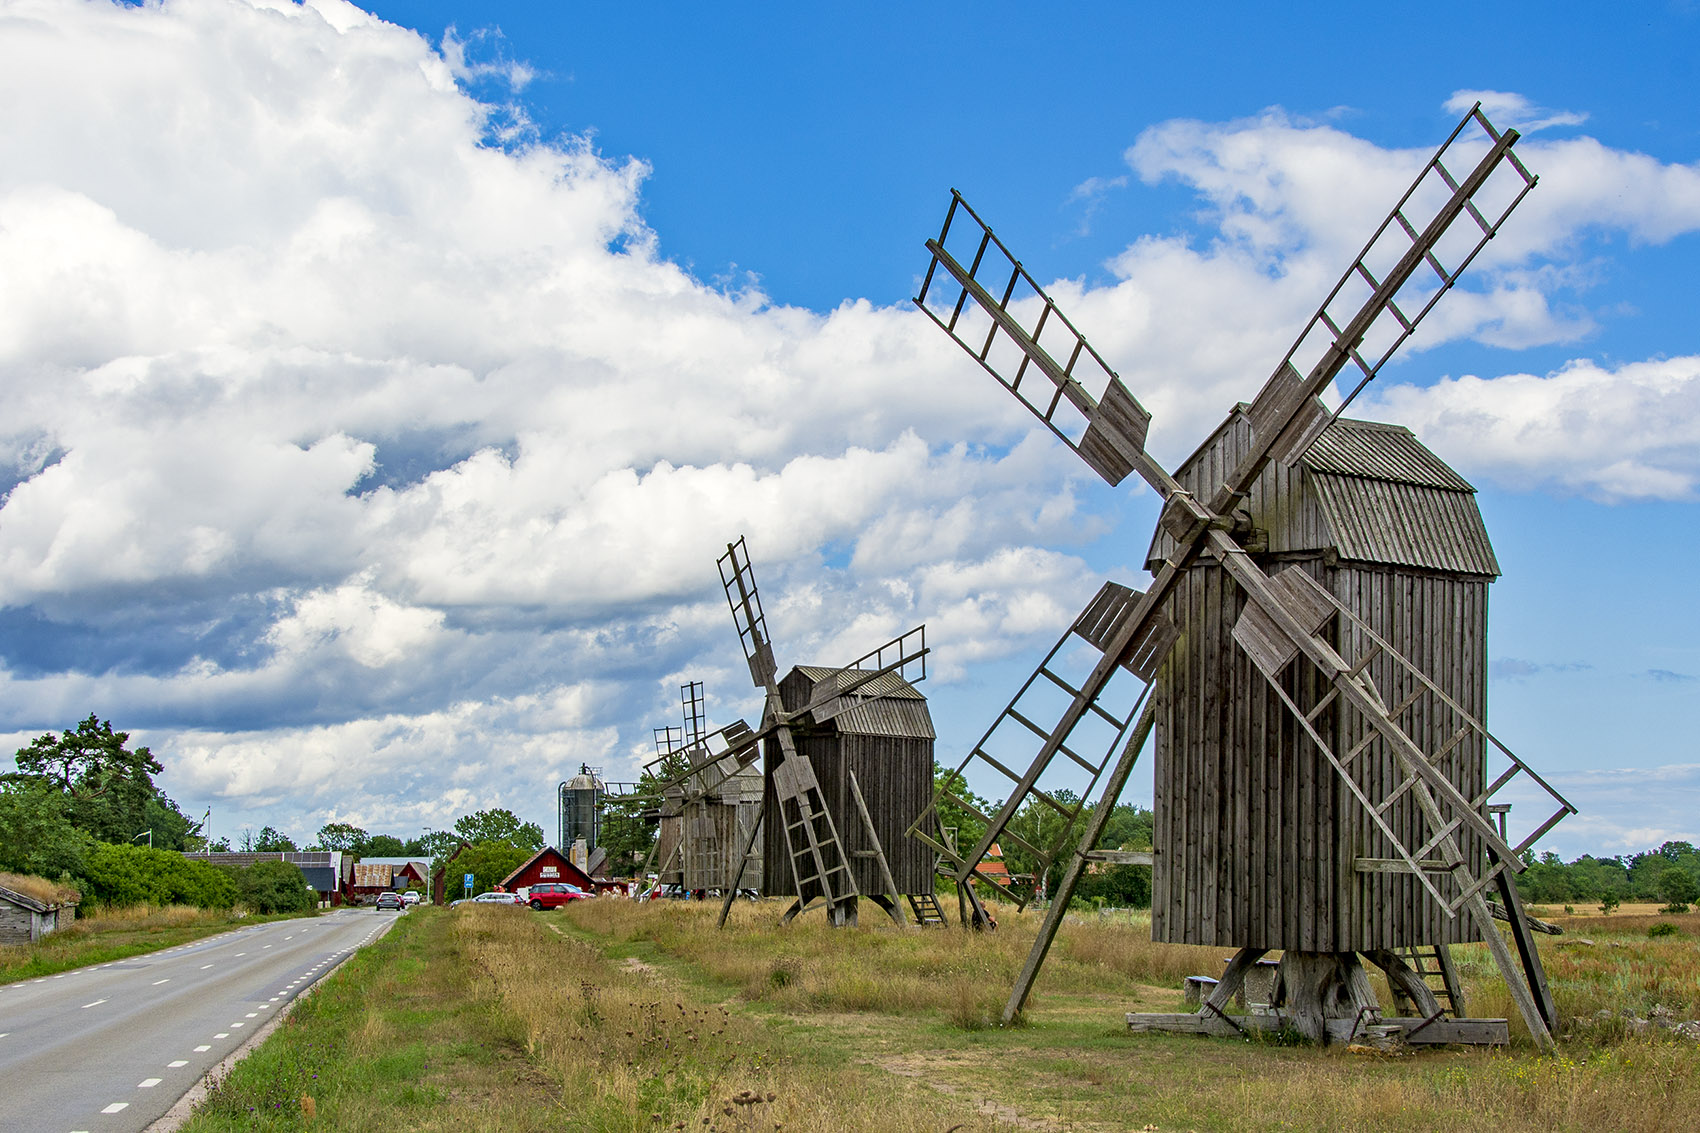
(1439, 623)
(896, 776)
(1255, 835)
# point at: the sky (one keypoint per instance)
(379, 386)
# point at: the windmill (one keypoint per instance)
(824, 846)
(701, 829)
(1388, 817)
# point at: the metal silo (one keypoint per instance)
(581, 808)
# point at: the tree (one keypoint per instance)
(133, 875)
(341, 836)
(171, 828)
(953, 815)
(107, 785)
(271, 840)
(36, 832)
(629, 825)
(499, 825)
(275, 887)
(433, 844)
(383, 846)
(488, 862)
(1678, 888)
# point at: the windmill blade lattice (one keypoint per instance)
(1085, 730)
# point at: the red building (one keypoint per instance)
(547, 864)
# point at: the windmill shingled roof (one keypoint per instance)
(1377, 451)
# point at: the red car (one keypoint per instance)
(553, 894)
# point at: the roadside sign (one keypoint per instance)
(468, 883)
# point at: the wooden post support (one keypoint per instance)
(1526, 952)
(1077, 864)
(1405, 982)
(896, 909)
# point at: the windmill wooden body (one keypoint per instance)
(885, 746)
(1259, 846)
(809, 856)
(1314, 631)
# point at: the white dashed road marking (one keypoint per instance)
(156, 983)
(116, 1107)
(148, 1083)
(202, 1049)
(175, 1065)
(96, 1003)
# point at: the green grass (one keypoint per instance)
(612, 1016)
(116, 935)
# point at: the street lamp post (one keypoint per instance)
(149, 833)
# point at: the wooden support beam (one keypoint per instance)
(1121, 857)
(896, 906)
(1077, 863)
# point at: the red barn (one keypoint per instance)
(547, 864)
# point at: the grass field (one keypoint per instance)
(114, 934)
(618, 1016)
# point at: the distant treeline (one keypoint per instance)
(1669, 874)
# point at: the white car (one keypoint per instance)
(411, 897)
(489, 899)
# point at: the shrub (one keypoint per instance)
(134, 875)
(1663, 928)
(275, 887)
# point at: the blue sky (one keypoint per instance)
(382, 389)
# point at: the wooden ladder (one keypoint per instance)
(1433, 964)
(818, 865)
(927, 909)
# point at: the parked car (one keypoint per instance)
(391, 901)
(553, 894)
(489, 899)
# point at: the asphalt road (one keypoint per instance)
(109, 1048)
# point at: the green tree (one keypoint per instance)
(275, 887)
(1678, 888)
(383, 846)
(133, 875)
(488, 862)
(499, 825)
(343, 836)
(171, 828)
(271, 840)
(629, 825)
(955, 813)
(106, 784)
(36, 832)
(434, 845)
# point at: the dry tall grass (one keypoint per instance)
(808, 966)
(43, 890)
(637, 1056)
(108, 934)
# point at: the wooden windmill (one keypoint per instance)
(824, 844)
(702, 828)
(1323, 775)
